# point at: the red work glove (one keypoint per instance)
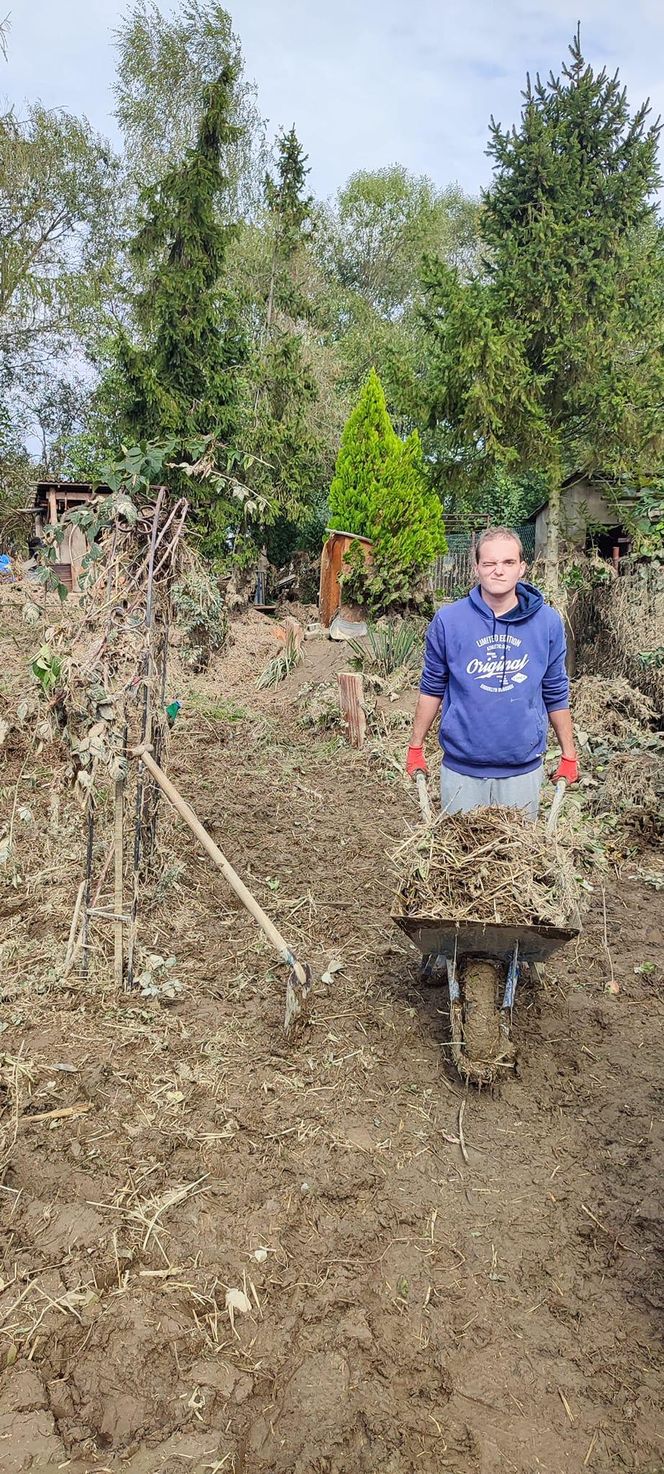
(416, 761)
(568, 768)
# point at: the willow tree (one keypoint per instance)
(550, 359)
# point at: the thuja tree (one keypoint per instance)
(408, 527)
(381, 491)
(180, 382)
(367, 441)
(551, 359)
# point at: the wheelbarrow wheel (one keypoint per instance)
(482, 1041)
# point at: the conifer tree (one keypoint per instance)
(182, 382)
(280, 425)
(551, 360)
(366, 444)
(408, 524)
(381, 491)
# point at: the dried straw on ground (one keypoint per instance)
(489, 865)
(632, 779)
(610, 707)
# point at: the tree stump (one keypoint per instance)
(351, 702)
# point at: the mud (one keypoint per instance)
(409, 1311)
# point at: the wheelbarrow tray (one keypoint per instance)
(485, 939)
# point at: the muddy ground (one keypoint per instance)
(410, 1310)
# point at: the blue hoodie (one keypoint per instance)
(499, 676)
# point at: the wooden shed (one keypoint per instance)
(588, 518)
(52, 500)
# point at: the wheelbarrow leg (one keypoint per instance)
(452, 980)
(433, 969)
(512, 979)
(456, 1010)
(513, 971)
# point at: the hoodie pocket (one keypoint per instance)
(509, 732)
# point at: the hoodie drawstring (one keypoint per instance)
(502, 678)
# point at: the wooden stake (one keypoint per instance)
(74, 923)
(118, 840)
(351, 702)
(89, 851)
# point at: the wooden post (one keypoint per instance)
(118, 967)
(351, 702)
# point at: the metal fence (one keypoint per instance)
(453, 574)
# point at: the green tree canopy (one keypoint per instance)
(165, 62)
(381, 491)
(280, 427)
(408, 529)
(57, 247)
(551, 360)
(371, 242)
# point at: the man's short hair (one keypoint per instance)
(491, 532)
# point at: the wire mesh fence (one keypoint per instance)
(453, 574)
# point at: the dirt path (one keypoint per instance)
(409, 1311)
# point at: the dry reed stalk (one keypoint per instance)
(489, 865)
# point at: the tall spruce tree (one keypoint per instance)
(551, 361)
(280, 427)
(182, 383)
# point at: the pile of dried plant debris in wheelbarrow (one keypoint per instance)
(489, 865)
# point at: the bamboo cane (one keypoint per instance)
(74, 924)
(118, 962)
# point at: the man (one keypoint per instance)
(496, 662)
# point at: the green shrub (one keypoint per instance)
(388, 648)
(408, 531)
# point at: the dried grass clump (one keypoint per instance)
(319, 707)
(610, 708)
(489, 865)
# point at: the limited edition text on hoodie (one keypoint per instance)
(499, 676)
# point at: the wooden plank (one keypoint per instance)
(331, 569)
(351, 702)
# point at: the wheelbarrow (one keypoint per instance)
(483, 963)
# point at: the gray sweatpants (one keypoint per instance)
(459, 793)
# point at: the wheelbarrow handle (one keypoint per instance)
(558, 797)
(423, 795)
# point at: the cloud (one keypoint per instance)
(365, 85)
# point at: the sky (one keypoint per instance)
(366, 84)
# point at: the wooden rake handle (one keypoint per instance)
(558, 797)
(267, 927)
(423, 795)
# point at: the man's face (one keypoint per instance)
(500, 567)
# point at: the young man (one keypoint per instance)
(496, 661)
